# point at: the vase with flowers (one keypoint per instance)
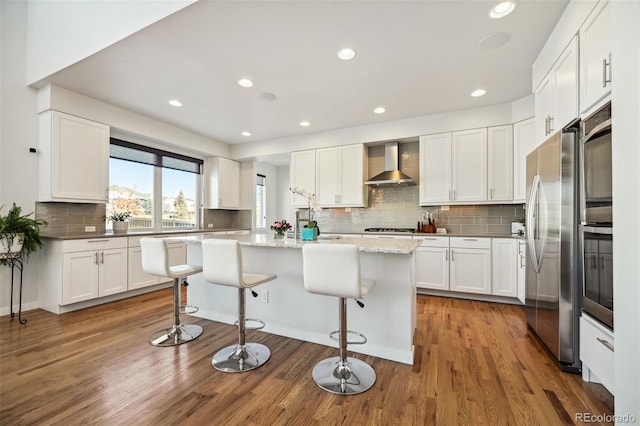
(310, 231)
(280, 228)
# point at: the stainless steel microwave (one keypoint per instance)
(596, 168)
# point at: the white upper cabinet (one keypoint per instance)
(524, 141)
(435, 168)
(500, 163)
(222, 183)
(556, 98)
(340, 176)
(469, 165)
(302, 175)
(73, 159)
(595, 57)
(454, 166)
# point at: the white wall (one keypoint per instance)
(625, 36)
(79, 29)
(495, 115)
(18, 132)
(284, 207)
(271, 176)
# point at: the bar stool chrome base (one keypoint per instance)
(240, 358)
(175, 335)
(335, 377)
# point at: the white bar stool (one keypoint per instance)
(222, 264)
(334, 270)
(155, 260)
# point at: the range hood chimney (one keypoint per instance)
(392, 176)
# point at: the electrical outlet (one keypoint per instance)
(210, 225)
(444, 208)
(265, 296)
(89, 229)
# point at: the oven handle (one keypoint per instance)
(598, 230)
(600, 128)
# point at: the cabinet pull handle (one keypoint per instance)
(491, 193)
(602, 262)
(521, 261)
(102, 258)
(449, 195)
(446, 255)
(550, 125)
(546, 126)
(606, 344)
(97, 241)
(452, 255)
(606, 64)
(96, 258)
(593, 262)
(454, 194)
(470, 239)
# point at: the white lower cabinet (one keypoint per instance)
(522, 271)
(597, 347)
(93, 268)
(504, 255)
(137, 277)
(432, 263)
(470, 265)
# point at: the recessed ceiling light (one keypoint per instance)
(245, 133)
(502, 9)
(346, 54)
(305, 124)
(245, 82)
(479, 92)
(380, 110)
(175, 103)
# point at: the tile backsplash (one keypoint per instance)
(70, 219)
(399, 208)
(64, 219)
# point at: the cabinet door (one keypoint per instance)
(138, 278)
(229, 183)
(469, 165)
(565, 74)
(303, 175)
(222, 183)
(470, 270)
(544, 108)
(79, 276)
(352, 176)
(435, 168)
(524, 141)
(500, 163)
(504, 276)
(432, 268)
(595, 57)
(522, 271)
(327, 175)
(77, 157)
(112, 271)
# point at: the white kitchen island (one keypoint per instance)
(388, 318)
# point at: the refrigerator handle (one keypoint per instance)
(532, 222)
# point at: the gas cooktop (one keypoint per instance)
(389, 230)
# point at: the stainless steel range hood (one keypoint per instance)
(392, 176)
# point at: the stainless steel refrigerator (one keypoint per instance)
(552, 301)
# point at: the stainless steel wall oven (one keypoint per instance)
(596, 216)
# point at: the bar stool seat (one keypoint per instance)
(334, 270)
(222, 264)
(155, 261)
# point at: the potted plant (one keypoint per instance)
(120, 221)
(280, 228)
(19, 234)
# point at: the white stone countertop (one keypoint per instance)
(367, 245)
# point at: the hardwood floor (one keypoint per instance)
(476, 363)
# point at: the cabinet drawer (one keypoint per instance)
(433, 241)
(470, 242)
(596, 351)
(70, 246)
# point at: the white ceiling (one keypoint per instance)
(413, 57)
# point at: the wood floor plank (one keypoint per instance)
(476, 363)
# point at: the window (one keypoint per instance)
(261, 202)
(159, 188)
